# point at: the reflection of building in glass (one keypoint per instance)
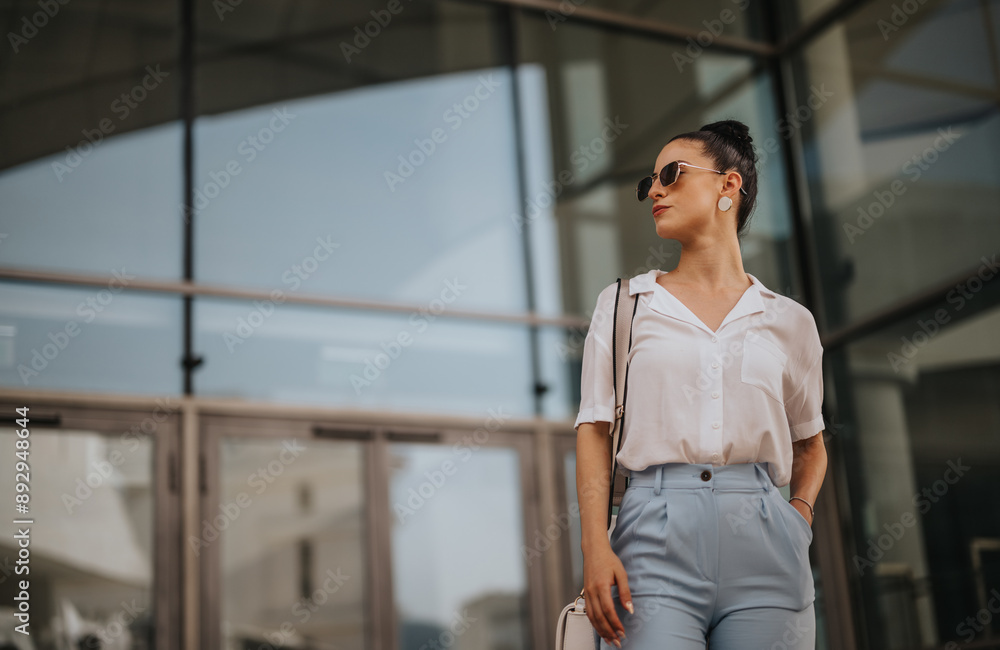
(90, 549)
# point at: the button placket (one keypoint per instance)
(716, 402)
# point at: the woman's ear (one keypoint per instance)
(733, 183)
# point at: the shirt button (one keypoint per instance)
(715, 365)
(715, 425)
(715, 394)
(715, 340)
(715, 455)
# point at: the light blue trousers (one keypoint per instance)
(713, 554)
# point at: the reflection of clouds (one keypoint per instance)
(465, 540)
(101, 536)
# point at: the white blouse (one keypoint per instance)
(742, 394)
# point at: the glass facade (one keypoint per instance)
(391, 220)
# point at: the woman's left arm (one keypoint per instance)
(808, 472)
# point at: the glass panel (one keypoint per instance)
(451, 509)
(264, 53)
(730, 18)
(922, 456)
(560, 359)
(797, 14)
(90, 145)
(419, 187)
(90, 546)
(293, 528)
(594, 125)
(411, 362)
(909, 127)
(91, 339)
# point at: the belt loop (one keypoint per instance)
(762, 468)
(658, 479)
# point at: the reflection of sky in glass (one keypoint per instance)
(948, 41)
(465, 541)
(124, 342)
(119, 207)
(324, 174)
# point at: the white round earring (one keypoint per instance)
(725, 203)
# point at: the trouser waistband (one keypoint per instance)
(702, 475)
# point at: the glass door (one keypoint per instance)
(356, 537)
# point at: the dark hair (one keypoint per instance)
(729, 145)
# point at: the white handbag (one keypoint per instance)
(574, 630)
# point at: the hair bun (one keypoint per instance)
(734, 130)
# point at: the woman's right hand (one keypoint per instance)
(601, 569)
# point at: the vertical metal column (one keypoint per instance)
(510, 42)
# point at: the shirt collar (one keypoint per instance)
(664, 302)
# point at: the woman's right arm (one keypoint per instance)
(601, 567)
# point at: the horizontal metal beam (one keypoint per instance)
(180, 288)
(913, 305)
(48, 402)
(637, 25)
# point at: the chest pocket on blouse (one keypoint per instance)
(763, 364)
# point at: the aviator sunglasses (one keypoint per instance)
(668, 176)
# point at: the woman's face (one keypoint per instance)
(692, 201)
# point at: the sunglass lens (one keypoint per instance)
(642, 191)
(668, 174)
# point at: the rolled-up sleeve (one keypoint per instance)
(597, 390)
(804, 407)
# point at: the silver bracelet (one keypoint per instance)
(811, 512)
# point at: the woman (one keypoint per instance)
(724, 393)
